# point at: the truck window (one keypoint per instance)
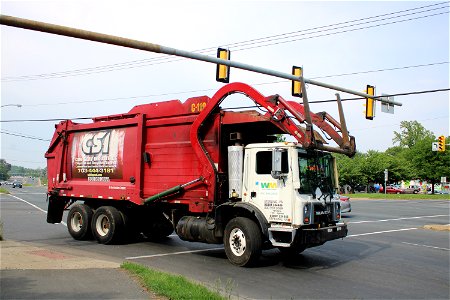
(315, 172)
(264, 162)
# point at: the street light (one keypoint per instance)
(18, 105)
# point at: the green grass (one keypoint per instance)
(171, 286)
(399, 196)
(4, 191)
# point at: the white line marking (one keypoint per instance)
(19, 193)
(37, 207)
(378, 232)
(426, 246)
(398, 219)
(173, 253)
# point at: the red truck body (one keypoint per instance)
(145, 152)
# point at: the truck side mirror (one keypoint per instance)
(276, 163)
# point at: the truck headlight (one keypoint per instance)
(337, 211)
(307, 213)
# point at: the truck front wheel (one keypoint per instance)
(242, 241)
(79, 220)
(108, 225)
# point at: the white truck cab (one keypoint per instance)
(295, 191)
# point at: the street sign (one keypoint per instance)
(434, 146)
(387, 107)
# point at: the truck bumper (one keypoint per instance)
(317, 236)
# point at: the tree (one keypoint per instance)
(412, 132)
(429, 165)
(400, 166)
(349, 169)
(375, 163)
(4, 169)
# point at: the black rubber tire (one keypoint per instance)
(243, 242)
(79, 222)
(108, 226)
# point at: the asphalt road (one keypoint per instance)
(388, 253)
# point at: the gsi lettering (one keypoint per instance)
(96, 142)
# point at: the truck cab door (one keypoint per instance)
(272, 196)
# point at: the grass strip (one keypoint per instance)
(171, 286)
(4, 191)
(399, 196)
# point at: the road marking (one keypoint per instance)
(398, 219)
(20, 193)
(378, 232)
(426, 246)
(173, 253)
(37, 207)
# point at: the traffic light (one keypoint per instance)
(441, 143)
(297, 85)
(223, 71)
(370, 103)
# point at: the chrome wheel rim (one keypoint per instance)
(102, 225)
(238, 243)
(76, 222)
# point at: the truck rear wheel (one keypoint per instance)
(242, 241)
(79, 221)
(108, 225)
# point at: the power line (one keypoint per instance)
(338, 32)
(24, 136)
(390, 95)
(341, 23)
(319, 101)
(260, 41)
(255, 84)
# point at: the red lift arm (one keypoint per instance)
(278, 109)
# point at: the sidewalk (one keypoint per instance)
(34, 272)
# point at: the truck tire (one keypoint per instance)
(79, 222)
(243, 242)
(108, 226)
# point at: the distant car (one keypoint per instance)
(413, 189)
(360, 188)
(17, 184)
(394, 190)
(345, 204)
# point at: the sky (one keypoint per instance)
(399, 47)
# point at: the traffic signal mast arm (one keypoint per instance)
(150, 47)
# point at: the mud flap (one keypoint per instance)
(55, 209)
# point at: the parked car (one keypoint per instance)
(413, 189)
(360, 188)
(17, 184)
(345, 204)
(394, 190)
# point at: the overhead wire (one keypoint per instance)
(165, 59)
(208, 90)
(23, 136)
(311, 102)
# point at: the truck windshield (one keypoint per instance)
(316, 171)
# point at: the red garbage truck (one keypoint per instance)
(211, 175)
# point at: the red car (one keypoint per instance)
(394, 190)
